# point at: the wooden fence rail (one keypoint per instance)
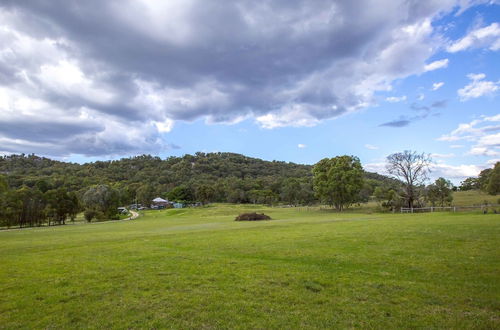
(483, 208)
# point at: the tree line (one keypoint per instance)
(28, 207)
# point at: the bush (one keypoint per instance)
(252, 217)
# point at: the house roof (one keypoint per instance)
(159, 200)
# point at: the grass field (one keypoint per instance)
(197, 268)
(474, 197)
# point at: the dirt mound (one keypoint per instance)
(252, 217)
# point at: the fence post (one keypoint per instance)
(432, 209)
(454, 209)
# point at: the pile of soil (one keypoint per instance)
(252, 217)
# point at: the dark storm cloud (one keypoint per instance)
(44, 131)
(138, 63)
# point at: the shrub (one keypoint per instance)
(252, 217)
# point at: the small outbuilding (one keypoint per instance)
(178, 205)
(160, 203)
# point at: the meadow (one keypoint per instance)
(198, 268)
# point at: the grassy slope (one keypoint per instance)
(198, 268)
(474, 197)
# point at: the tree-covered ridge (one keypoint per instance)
(27, 170)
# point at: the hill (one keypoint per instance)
(227, 177)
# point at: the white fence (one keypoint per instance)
(483, 208)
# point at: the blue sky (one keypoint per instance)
(278, 81)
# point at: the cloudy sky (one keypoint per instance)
(286, 80)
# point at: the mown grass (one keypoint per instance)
(197, 268)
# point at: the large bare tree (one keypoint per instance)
(412, 168)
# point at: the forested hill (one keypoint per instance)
(232, 177)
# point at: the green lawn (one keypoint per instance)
(200, 269)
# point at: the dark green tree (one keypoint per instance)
(470, 184)
(181, 194)
(205, 193)
(102, 201)
(145, 194)
(440, 192)
(484, 179)
(61, 205)
(493, 186)
(338, 181)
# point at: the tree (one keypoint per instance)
(61, 205)
(440, 192)
(204, 193)
(4, 191)
(4, 187)
(484, 179)
(145, 194)
(470, 184)
(493, 186)
(387, 197)
(102, 201)
(181, 194)
(43, 186)
(290, 191)
(412, 169)
(338, 181)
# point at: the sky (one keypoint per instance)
(292, 80)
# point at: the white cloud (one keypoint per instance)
(490, 140)
(371, 147)
(436, 86)
(478, 87)
(456, 146)
(486, 37)
(289, 116)
(66, 77)
(483, 135)
(165, 127)
(492, 118)
(301, 146)
(454, 171)
(479, 150)
(395, 99)
(440, 64)
(436, 155)
(420, 97)
(378, 167)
